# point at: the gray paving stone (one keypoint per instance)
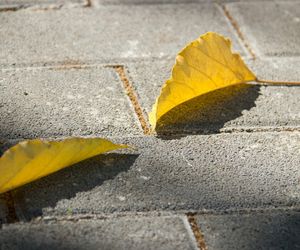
(107, 34)
(267, 230)
(64, 102)
(285, 69)
(271, 28)
(144, 2)
(115, 233)
(214, 172)
(39, 3)
(248, 107)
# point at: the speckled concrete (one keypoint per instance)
(107, 34)
(198, 173)
(231, 166)
(271, 28)
(64, 102)
(151, 232)
(236, 108)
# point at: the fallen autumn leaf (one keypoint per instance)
(203, 66)
(30, 160)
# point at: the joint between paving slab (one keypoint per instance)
(32, 8)
(11, 216)
(261, 129)
(40, 7)
(86, 63)
(8, 9)
(236, 27)
(133, 97)
(65, 66)
(197, 231)
(161, 213)
(230, 130)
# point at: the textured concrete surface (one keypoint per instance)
(40, 3)
(216, 172)
(115, 233)
(144, 2)
(271, 28)
(259, 230)
(107, 34)
(54, 82)
(252, 107)
(64, 102)
(276, 68)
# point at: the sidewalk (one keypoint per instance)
(229, 178)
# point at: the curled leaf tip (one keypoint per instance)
(33, 159)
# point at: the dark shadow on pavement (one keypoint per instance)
(278, 231)
(255, 230)
(68, 182)
(208, 113)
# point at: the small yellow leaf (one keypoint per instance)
(204, 65)
(30, 160)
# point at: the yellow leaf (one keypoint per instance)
(204, 65)
(30, 160)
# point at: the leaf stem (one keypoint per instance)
(277, 82)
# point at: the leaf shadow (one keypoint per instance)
(45, 193)
(279, 231)
(208, 113)
(268, 230)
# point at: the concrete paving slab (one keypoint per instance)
(108, 34)
(203, 172)
(15, 4)
(259, 230)
(271, 28)
(146, 2)
(276, 68)
(243, 108)
(64, 102)
(114, 233)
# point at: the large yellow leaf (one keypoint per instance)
(204, 65)
(33, 159)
